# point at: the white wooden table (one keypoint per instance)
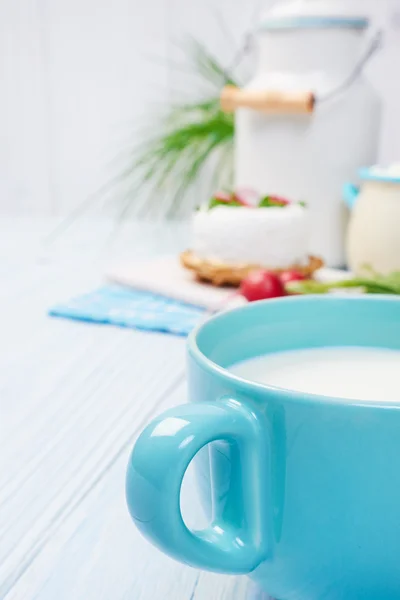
(73, 398)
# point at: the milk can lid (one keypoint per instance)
(314, 14)
(390, 174)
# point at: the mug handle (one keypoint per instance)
(234, 542)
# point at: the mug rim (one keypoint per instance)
(246, 385)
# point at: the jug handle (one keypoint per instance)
(350, 194)
(235, 542)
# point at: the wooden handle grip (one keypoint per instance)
(270, 101)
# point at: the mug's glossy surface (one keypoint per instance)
(303, 491)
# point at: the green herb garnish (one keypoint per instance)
(372, 283)
(271, 201)
(216, 202)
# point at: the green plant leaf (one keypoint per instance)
(176, 152)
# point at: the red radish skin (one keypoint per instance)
(241, 201)
(247, 197)
(262, 285)
(289, 276)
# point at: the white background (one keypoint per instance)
(77, 77)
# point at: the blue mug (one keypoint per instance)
(303, 491)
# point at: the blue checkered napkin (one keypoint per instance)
(123, 307)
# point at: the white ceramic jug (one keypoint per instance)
(373, 238)
(311, 45)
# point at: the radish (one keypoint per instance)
(247, 197)
(288, 276)
(262, 285)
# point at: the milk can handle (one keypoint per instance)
(375, 44)
(275, 101)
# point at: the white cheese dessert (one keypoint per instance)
(271, 237)
(239, 232)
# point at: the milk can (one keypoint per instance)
(308, 120)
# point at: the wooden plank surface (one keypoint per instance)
(73, 399)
